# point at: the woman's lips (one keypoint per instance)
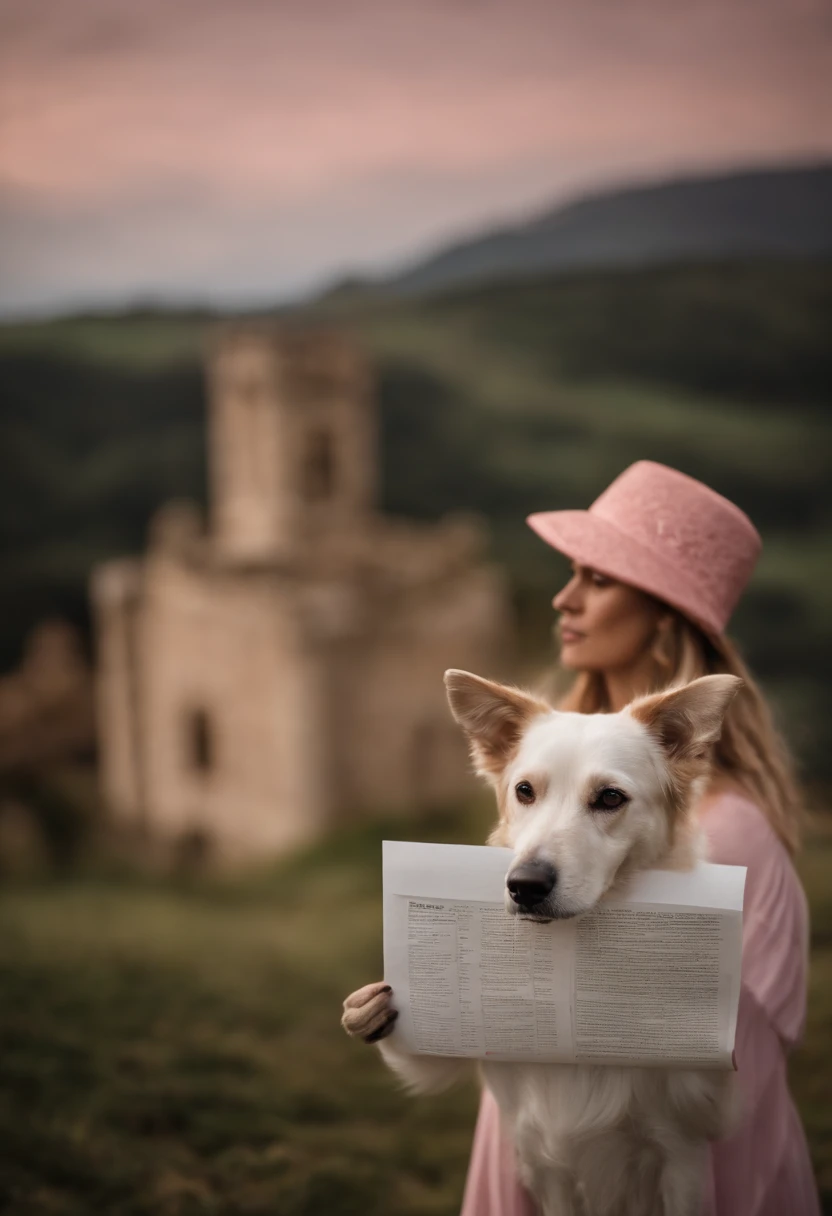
(569, 637)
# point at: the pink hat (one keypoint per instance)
(663, 532)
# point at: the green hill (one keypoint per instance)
(782, 211)
(519, 396)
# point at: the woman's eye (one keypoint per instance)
(608, 799)
(600, 580)
(524, 792)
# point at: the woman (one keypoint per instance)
(659, 562)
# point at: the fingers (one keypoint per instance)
(356, 999)
(367, 1013)
(385, 1029)
(368, 1018)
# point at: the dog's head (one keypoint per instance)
(586, 799)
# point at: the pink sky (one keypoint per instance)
(247, 149)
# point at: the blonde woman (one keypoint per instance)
(659, 562)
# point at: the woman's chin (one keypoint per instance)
(577, 656)
(570, 656)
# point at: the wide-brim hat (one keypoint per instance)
(667, 534)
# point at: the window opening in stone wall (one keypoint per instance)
(200, 742)
(319, 467)
(250, 395)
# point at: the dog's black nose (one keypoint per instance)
(530, 882)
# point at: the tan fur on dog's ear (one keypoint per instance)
(493, 717)
(686, 720)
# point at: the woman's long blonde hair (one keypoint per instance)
(750, 753)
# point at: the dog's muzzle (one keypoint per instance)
(529, 885)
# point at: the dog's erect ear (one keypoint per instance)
(686, 720)
(492, 716)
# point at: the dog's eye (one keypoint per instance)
(524, 792)
(608, 799)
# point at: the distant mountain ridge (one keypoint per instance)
(770, 212)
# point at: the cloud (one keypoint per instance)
(341, 132)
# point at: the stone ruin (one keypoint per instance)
(265, 676)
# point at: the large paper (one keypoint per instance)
(651, 977)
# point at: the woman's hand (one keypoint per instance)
(369, 1014)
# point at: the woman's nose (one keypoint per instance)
(566, 599)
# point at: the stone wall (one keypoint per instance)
(117, 594)
(46, 705)
(400, 748)
(228, 711)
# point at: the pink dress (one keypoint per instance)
(764, 1169)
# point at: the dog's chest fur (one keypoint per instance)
(599, 1140)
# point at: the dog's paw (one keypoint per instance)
(368, 1013)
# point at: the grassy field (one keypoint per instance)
(173, 1047)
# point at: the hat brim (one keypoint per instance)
(594, 542)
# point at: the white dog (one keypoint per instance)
(585, 801)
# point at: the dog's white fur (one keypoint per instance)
(590, 1141)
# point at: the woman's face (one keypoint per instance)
(604, 625)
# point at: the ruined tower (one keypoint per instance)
(292, 443)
